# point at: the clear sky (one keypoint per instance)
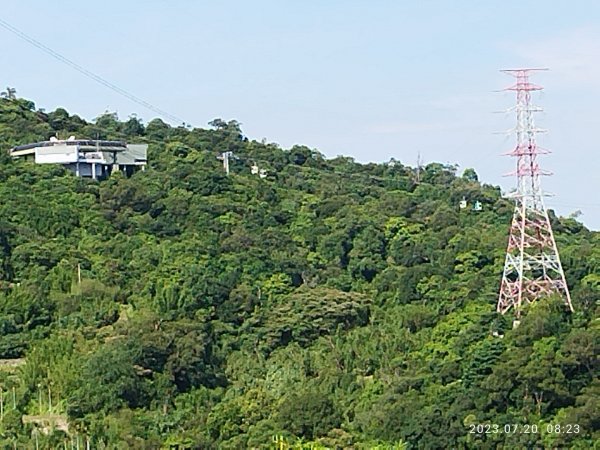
(369, 79)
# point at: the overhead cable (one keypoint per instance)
(97, 78)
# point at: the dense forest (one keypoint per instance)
(328, 304)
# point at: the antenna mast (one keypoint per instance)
(225, 158)
(532, 268)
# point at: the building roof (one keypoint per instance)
(82, 144)
(71, 150)
(136, 154)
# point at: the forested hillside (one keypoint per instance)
(329, 305)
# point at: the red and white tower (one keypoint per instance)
(532, 269)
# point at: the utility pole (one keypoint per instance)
(419, 162)
(225, 157)
(532, 268)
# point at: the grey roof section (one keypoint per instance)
(136, 154)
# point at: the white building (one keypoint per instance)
(86, 158)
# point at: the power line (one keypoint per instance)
(89, 74)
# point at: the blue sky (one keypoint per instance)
(369, 79)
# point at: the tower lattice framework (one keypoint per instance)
(532, 268)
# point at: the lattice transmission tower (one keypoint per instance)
(532, 268)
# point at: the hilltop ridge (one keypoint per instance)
(329, 303)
